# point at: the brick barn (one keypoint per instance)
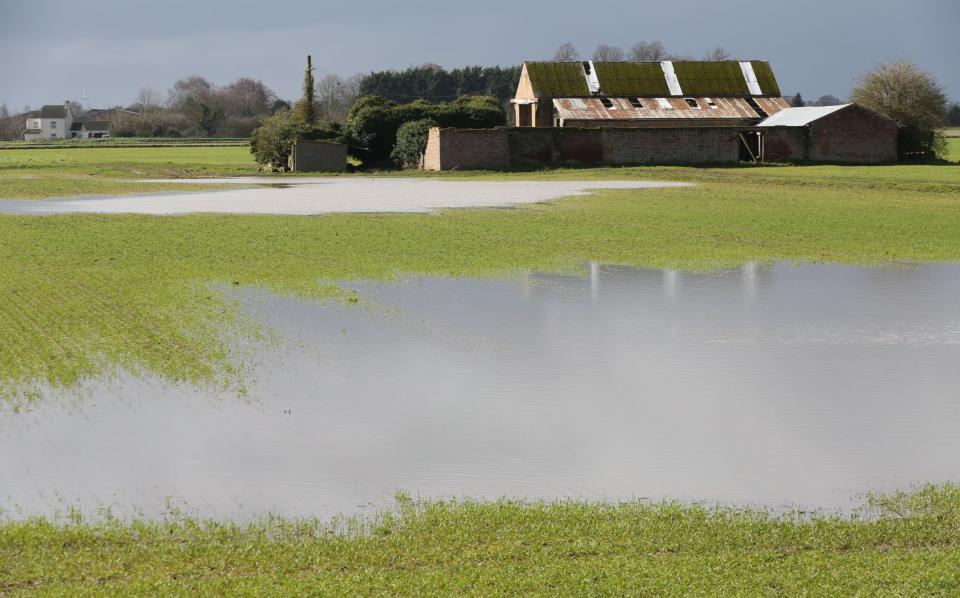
(670, 112)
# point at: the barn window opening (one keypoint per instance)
(606, 102)
(712, 104)
(636, 103)
(691, 102)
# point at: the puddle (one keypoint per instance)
(306, 196)
(782, 385)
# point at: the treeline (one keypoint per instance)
(434, 83)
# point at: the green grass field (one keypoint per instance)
(81, 295)
(903, 545)
(65, 172)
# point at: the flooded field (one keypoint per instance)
(305, 196)
(776, 384)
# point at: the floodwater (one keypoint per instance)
(305, 196)
(779, 385)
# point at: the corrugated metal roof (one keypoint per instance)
(736, 109)
(799, 117)
(723, 78)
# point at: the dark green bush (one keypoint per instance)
(373, 121)
(412, 142)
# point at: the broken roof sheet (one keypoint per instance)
(723, 78)
(799, 117)
(733, 109)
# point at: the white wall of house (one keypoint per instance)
(50, 128)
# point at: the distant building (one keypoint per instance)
(50, 122)
(671, 112)
(646, 94)
(58, 122)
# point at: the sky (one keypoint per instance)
(107, 50)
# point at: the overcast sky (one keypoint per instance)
(108, 49)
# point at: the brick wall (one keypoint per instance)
(318, 156)
(467, 149)
(495, 149)
(782, 144)
(855, 135)
(670, 146)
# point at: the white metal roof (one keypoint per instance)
(799, 117)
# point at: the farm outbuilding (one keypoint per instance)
(845, 133)
(670, 112)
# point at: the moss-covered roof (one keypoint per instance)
(711, 78)
(558, 79)
(646, 79)
(620, 79)
(768, 83)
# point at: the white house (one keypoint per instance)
(52, 122)
(58, 122)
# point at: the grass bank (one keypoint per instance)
(98, 170)
(80, 294)
(900, 545)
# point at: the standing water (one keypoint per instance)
(781, 385)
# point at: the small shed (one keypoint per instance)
(845, 133)
(317, 156)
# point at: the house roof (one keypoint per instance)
(96, 125)
(800, 117)
(725, 78)
(53, 111)
(732, 109)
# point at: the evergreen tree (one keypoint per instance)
(305, 110)
(797, 101)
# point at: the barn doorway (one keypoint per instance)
(751, 146)
(524, 115)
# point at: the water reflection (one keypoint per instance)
(773, 384)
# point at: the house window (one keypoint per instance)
(53, 124)
(691, 102)
(52, 135)
(606, 102)
(636, 103)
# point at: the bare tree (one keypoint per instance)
(605, 53)
(718, 53)
(149, 99)
(566, 53)
(648, 51)
(335, 95)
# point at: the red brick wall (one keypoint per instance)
(466, 149)
(670, 146)
(470, 149)
(783, 144)
(853, 134)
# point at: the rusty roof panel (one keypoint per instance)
(654, 108)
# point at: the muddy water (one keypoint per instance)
(781, 385)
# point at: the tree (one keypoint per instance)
(605, 53)
(334, 97)
(272, 142)
(648, 51)
(149, 100)
(566, 53)
(197, 100)
(828, 100)
(412, 142)
(305, 108)
(797, 101)
(953, 115)
(718, 53)
(913, 99)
